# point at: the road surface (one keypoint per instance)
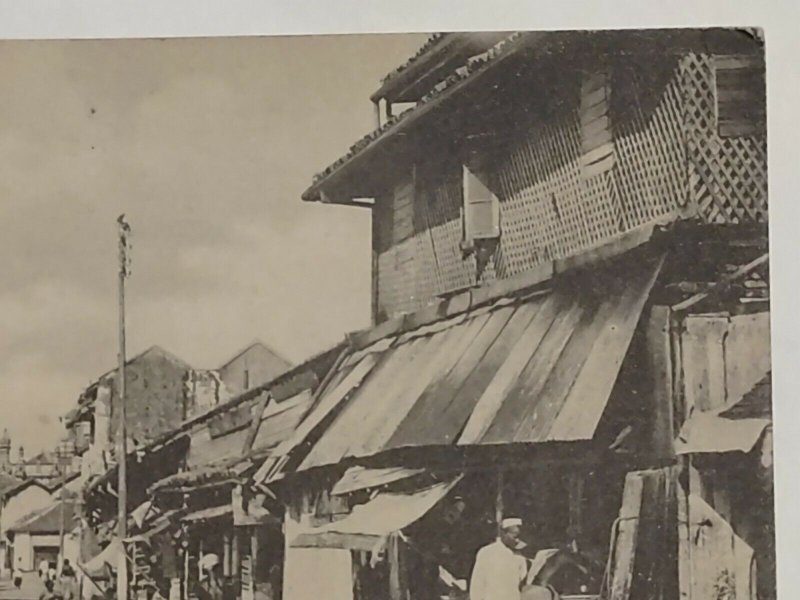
(31, 588)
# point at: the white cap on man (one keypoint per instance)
(510, 522)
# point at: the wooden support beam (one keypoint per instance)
(659, 362)
(721, 285)
(235, 558)
(498, 507)
(226, 554)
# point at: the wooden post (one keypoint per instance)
(122, 443)
(397, 576)
(200, 559)
(376, 242)
(377, 106)
(226, 554)
(185, 594)
(235, 560)
(61, 517)
(659, 359)
(253, 556)
(498, 507)
(576, 481)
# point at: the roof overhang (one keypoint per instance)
(441, 54)
(326, 188)
(349, 178)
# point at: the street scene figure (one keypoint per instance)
(512, 344)
(499, 570)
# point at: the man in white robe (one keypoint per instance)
(499, 570)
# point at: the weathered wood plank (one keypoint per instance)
(473, 373)
(593, 385)
(410, 383)
(625, 538)
(590, 113)
(659, 360)
(519, 420)
(597, 154)
(422, 425)
(598, 168)
(502, 380)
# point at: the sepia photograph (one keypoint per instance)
(467, 315)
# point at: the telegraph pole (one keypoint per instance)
(61, 460)
(122, 449)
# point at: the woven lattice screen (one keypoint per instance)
(669, 160)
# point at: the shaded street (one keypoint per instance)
(31, 588)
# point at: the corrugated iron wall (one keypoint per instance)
(669, 162)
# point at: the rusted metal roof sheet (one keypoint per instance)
(208, 514)
(386, 513)
(360, 478)
(279, 420)
(524, 370)
(735, 427)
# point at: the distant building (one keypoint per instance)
(44, 466)
(255, 365)
(35, 536)
(17, 499)
(162, 391)
(157, 400)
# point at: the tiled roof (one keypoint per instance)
(8, 483)
(21, 485)
(47, 519)
(433, 41)
(466, 71)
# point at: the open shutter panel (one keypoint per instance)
(740, 94)
(481, 209)
(403, 212)
(597, 146)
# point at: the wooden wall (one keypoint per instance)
(667, 162)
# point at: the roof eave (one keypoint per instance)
(324, 188)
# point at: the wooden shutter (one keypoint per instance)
(597, 146)
(403, 212)
(481, 209)
(740, 95)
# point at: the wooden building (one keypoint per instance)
(569, 263)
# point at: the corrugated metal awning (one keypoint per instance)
(360, 478)
(208, 514)
(518, 371)
(159, 524)
(368, 523)
(709, 433)
(108, 557)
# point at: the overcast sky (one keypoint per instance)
(205, 145)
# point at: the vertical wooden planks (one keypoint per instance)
(550, 332)
(644, 559)
(704, 361)
(589, 394)
(503, 380)
(625, 538)
(422, 424)
(740, 95)
(657, 339)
